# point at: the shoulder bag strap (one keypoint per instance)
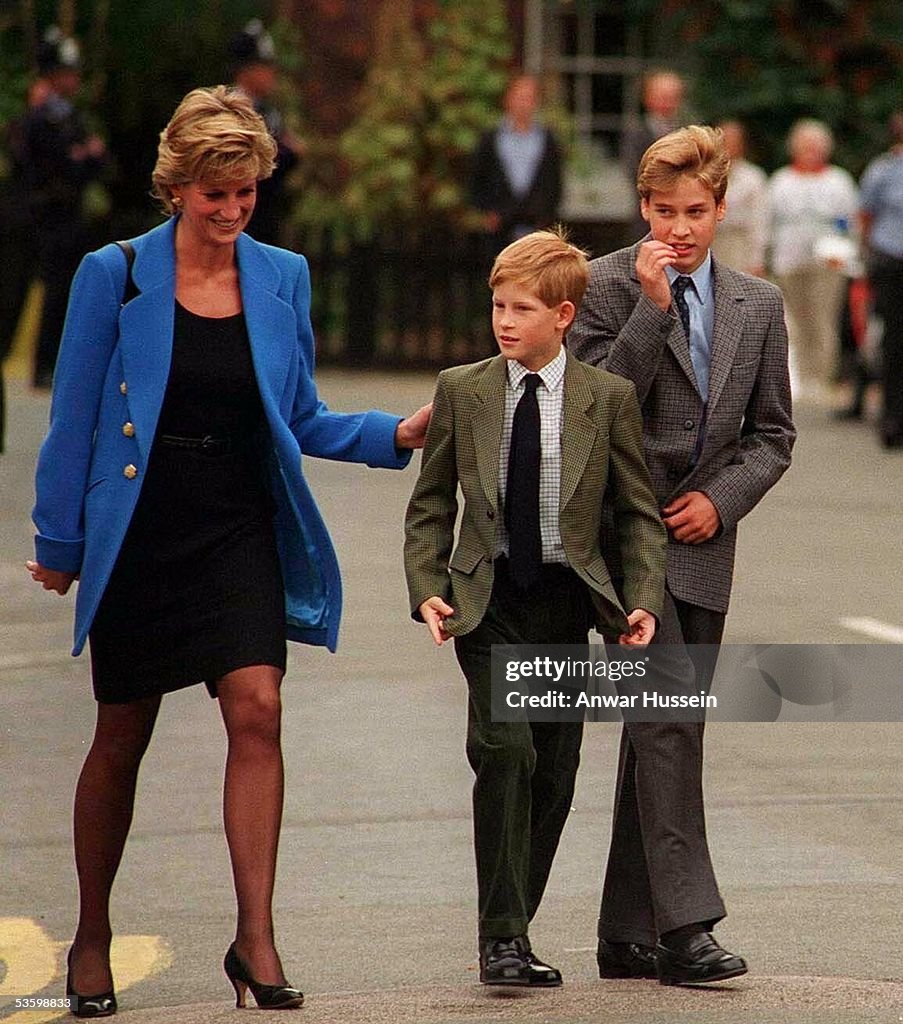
(131, 289)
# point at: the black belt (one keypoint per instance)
(209, 445)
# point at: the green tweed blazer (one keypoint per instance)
(601, 456)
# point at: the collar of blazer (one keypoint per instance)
(578, 431)
(729, 293)
(146, 323)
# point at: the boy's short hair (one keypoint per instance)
(696, 150)
(547, 264)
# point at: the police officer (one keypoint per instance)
(255, 73)
(60, 158)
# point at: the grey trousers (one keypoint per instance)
(659, 874)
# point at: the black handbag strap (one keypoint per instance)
(131, 289)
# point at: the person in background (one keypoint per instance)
(662, 98)
(812, 209)
(881, 218)
(18, 254)
(170, 485)
(60, 158)
(255, 72)
(741, 237)
(516, 170)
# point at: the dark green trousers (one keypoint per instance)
(524, 770)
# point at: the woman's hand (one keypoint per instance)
(51, 579)
(411, 433)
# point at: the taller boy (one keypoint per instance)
(706, 348)
(534, 439)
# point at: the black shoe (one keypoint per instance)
(891, 432)
(697, 960)
(267, 997)
(847, 413)
(625, 960)
(103, 1005)
(512, 962)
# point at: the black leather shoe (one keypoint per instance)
(625, 960)
(697, 960)
(512, 962)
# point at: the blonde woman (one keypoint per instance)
(170, 485)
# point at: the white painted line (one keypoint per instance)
(582, 949)
(875, 629)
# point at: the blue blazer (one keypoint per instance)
(108, 389)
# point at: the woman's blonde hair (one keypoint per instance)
(546, 264)
(216, 136)
(697, 150)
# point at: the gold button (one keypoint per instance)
(123, 388)
(130, 471)
(128, 429)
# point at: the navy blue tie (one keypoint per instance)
(522, 489)
(679, 288)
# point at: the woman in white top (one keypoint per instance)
(811, 203)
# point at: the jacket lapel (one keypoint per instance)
(578, 432)
(145, 331)
(271, 321)
(489, 411)
(729, 317)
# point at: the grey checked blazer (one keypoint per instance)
(601, 456)
(749, 429)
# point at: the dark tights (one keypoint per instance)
(252, 812)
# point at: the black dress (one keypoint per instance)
(197, 588)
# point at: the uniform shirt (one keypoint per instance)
(550, 398)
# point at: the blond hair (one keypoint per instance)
(546, 263)
(696, 150)
(215, 136)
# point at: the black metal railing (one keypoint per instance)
(411, 298)
(401, 300)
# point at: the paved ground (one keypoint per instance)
(375, 893)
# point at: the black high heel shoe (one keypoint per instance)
(268, 997)
(103, 1005)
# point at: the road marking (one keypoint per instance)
(29, 954)
(875, 629)
(32, 957)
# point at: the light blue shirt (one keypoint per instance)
(882, 197)
(520, 154)
(701, 303)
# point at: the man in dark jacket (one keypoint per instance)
(60, 157)
(516, 173)
(255, 73)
